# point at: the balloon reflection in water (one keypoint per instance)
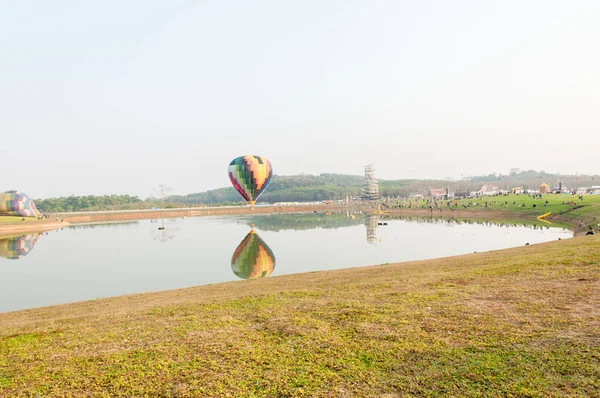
(252, 258)
(18, 246)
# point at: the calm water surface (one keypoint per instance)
(87, 262)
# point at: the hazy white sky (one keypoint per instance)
(119, 96)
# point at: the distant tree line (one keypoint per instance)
(529, 179)
(302, 221)
(90, 203)
(313, 188)
(309, 188)
(100, 203)
(113, 202)
(298, 188)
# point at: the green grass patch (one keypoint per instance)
(17, 220)
(568, 211)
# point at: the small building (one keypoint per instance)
(488, 190)
(437, 193)
(544, 188)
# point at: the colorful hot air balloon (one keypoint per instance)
(16, 247)
(15, 203)
(250, 175)
(252, 258)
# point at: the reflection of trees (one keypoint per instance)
(466, 221)
(302, 221)
(107, 224)
(18, 246)
(305, 221)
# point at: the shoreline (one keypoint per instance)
(12, 230)
(83, 218)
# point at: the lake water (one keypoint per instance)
(87, 262)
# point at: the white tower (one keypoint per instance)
(371, 188)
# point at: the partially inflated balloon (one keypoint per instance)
(252, 258)
(15, 248)
(250, 175)
(15, 203)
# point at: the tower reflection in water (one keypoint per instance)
(16, 247)
(371, 222)
(252, 258)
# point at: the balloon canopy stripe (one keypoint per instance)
(238, 187)
(250, 176)
(15, 203)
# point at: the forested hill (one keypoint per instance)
(309, 188)
(306, 188)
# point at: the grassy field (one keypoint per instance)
(19, 220)
(523, 322)
(522, 207)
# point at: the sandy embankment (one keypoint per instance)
(18, 228)
(28, 228)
